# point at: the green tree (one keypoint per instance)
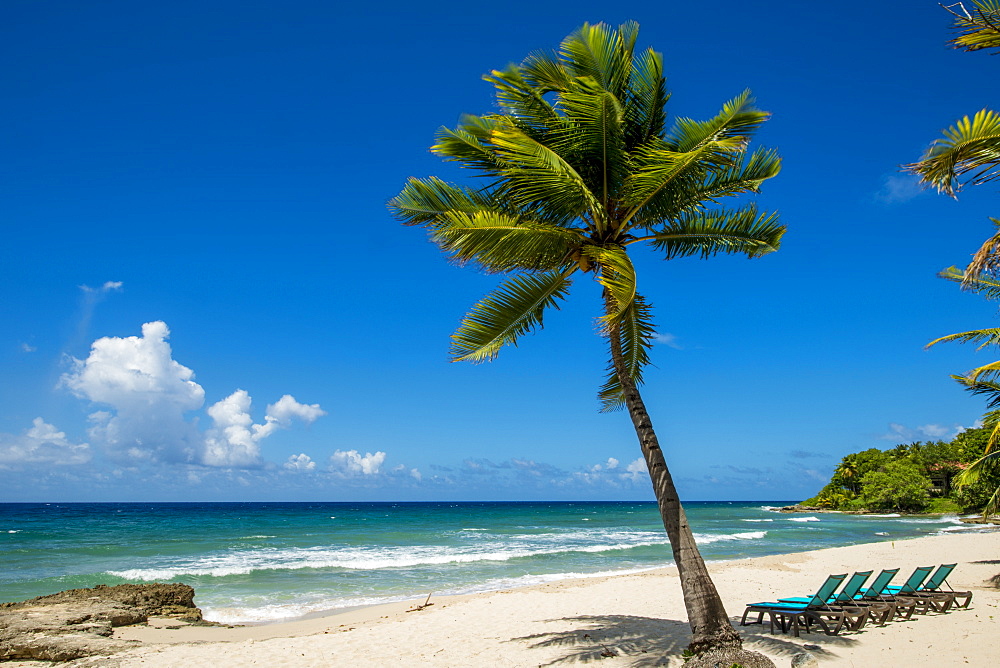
(899, 485)
(579, 166)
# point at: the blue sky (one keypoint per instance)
(205, 298)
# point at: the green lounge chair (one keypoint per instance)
(907, 592)
(946, 598)
(816, 609)
(884, 607)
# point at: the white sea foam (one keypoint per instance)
(767, 520)
(772, 509)
(377, 558)
(802, 519)
(705, 539)
(14, 531)
(886, 515)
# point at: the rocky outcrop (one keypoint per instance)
(78, 622)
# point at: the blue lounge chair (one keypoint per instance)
(931, 588)
(816, 609)
(909, 592)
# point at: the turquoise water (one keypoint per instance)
(256, 562)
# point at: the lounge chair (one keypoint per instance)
(931, 588)
(882, 606)
(816, 609)
(908, 593)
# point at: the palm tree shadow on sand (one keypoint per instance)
(647, 641)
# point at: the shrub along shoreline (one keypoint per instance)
(911, 478)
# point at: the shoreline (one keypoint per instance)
(637, 616)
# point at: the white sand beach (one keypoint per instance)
(627, 620)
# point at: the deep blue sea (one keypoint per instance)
(259, 562)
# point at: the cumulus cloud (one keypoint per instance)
(43, 443)
(899, 188)
(668, 339)
(352, 463)
(150, 396)
(148, 391)
(234, 440)
(28, 348)
(636, 470)
(301, 462)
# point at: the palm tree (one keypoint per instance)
(983, 380)
(579, 167)
(970, 146)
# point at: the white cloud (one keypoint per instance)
(899, 188)
(235, 440)
(668, 339)
(28, 348)
(148, 391)
(301, 462)
(350, 462)
(43, 443)
(150, 395)
(109, 286)
(416, 475)
(635, 470)
(901, 433)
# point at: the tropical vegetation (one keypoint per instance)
(913, 477)
(580, 167)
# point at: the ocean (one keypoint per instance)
(265, 562)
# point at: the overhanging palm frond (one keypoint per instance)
(500, 242)
(984, 337)
(969, 146)
(738, 119)
(424, 201)
(978, 28)
(707, 233)
(501, 317)
(985, 261)
(634, 327)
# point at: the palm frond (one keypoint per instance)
(500, 242)
(537, 177)
(617, 274)
(983, 284)
(512, 310)
(469, 144)
(657, 169)
(738, 119)
(985, 261)
(978, 29)
(744, 176)
(425, 201)
(645, 111)
(969, 146)
(707, 233)
(602, 53)
(523, 101)
(984, 337)
(595, 140)
(636, 331)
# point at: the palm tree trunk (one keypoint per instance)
(710, 625)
